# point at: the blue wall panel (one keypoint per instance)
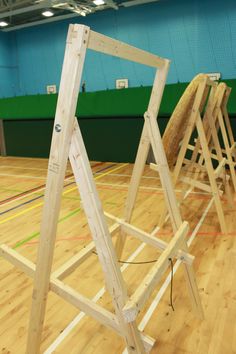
(198, 36)
(8, 67)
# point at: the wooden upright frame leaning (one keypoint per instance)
(67, 142)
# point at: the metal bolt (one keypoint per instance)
(58, 128)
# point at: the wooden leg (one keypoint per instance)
(143, 149)
(227, 148)
(102, 239)
(192, 287)
(210, 170)
(138, 169)
(63, 127)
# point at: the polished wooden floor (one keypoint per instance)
(22, 184)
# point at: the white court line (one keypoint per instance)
(125, 175)
(189, 191)
(81, 315)
(28, 194)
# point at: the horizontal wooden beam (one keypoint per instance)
(196, 184)
(110, 46)
(103, 316)
(149, 239)
(70, 295)
(218, 171)
(18, 260)
(213, 156)
(68, 267)
(196, 165)
(143, 292)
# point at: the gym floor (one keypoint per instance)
(22, 182)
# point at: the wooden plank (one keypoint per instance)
(89, 307)
(166, 181)
(2, 140)
(107, 45)
(100, 314)
(210, 170)
(103, 316)
(17, 260)
(63, 127)
(68, 267)
(149, 239)
(196, 184)
(213, 156)
(219, 168)
(143, 292)
(143, 149)
(102, 239)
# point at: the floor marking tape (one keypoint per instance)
(26, 193)
(40, 204)
(35, 234)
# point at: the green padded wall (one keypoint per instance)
(111, 121)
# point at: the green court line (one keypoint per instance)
(35, 234)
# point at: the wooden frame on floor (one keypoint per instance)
(67, 142)
(205, 148)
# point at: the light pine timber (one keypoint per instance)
(64, 121)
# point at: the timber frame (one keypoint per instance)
(206, 147)
(67, 142)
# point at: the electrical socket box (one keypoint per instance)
(51, 89)
(122, 83)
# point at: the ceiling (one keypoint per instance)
(15, 14)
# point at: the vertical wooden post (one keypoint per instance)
(2, 139)
(143, 149)
(210, 170)
(64, 120)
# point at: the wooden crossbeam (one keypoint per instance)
(197, 184)
(149, 239)
(99, 42)
(143, 292)
(68, 267)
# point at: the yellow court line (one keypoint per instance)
(104, 174)
(66, 192)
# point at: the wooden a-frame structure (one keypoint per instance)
(205, 148)
(224, 129)
(67, 142)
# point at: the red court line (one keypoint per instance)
(88, 237)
